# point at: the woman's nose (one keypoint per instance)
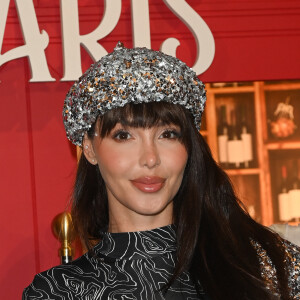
(149, 155)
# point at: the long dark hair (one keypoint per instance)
(215, 235)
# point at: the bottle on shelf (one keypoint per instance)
(235, 145)
(223, 132)
(283, 197)
(246, 137)
(294, 192)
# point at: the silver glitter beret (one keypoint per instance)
(130, 76)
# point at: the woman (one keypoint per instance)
(168, 221)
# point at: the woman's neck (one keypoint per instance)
(136, 222)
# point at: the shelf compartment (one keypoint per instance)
(247, 189)
(277, 159)
(235, 102)
(273, 98)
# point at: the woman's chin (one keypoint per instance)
(155, 209)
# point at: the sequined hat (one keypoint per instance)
(130, 76)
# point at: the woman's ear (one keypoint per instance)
(88, 151)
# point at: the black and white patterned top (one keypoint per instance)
(136, 266)
(132, 265)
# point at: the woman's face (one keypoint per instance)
(142, 170)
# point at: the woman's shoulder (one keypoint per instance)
(291, 263)
(59, 281)
(292, 252)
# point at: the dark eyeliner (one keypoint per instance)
(116, 135)
(175, 132)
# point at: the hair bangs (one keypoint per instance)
(144, 115)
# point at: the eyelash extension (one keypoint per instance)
(173, 131)
(176, 133)
(118, 132)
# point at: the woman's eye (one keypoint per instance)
(170, 134)
(121, 135)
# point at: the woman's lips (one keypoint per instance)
(149, 184)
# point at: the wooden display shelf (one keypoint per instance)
(282, 87)
(255, 183)
(235, 172)
(231, 90)
(283, 145)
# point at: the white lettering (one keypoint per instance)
(35, 41)
(140, 23)
(72, 38)
(203, 36)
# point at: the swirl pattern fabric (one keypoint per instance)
(136, 266)
(127, 266)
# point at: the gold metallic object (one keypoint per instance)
(78, 152)
(63, 230)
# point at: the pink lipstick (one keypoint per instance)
(149, 184)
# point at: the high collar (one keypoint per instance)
(137, 245)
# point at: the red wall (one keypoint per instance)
(255, 40)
